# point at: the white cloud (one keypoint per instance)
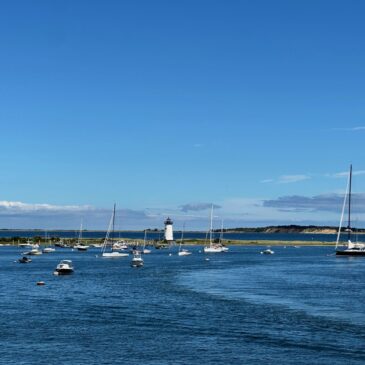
(346, 174)
(287, 179)
(351, 129)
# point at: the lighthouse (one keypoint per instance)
(169, 234)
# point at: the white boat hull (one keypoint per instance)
(213, 249)
(184, 253)
(114, 255)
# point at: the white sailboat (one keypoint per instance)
(112, 254)
(79, 246)
(144, 249)
(353, 249)
(212, 248)
(47, 249)
(183, 251)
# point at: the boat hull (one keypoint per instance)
(64, 272)
(113, 255)
(137, 263)
(350, 253)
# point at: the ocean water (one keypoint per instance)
(298, 306)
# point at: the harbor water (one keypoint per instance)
(299, 306)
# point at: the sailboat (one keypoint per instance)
(112, 254)
(79, 246)
(183, 251)
(353, 249)
(212, 248)
(144, 249)
(47, 249)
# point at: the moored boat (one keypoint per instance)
(24, 260)
(65, 267)
(352, 249)
(137, 260)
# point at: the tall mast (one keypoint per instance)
(349, 211)
(113, 221)
(221, 235)
(211, 224)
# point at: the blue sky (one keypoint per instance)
(165, 107)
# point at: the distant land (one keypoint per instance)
(293, 228)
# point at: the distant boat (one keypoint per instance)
(137, 260)
(34, 252)
(353, 249)
(112, 254)
(24, 260)
(183, 251)
(144, 249)
(212, 247)
(47, 249)
(268, 251)
(80, 246)
(65, 267)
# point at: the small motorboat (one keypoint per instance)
(184, 252)
(81, 247)
(24, 260)
(137, 260)
(34, 252)
(48, 250)
(268, 251)
(65, 267)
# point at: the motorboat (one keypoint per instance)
(34, 252)
(268, 251)
(137, 260)
(81, 247)
(60, 244)
(184, 252)
(48, 250)
(24, 260)
(65, 267)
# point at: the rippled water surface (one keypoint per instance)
(299, 306)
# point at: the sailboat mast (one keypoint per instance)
(349, 207)
(221, 236)
(211, 225)
(113, 221)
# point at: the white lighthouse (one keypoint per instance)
(169, 234)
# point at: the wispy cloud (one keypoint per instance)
(351, 129)
(287, 179)
(346, 174)
(266, 181)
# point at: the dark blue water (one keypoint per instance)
(299, 306)
(187, 235)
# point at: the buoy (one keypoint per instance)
(207, 259)
(170, 254)
(39, 283)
